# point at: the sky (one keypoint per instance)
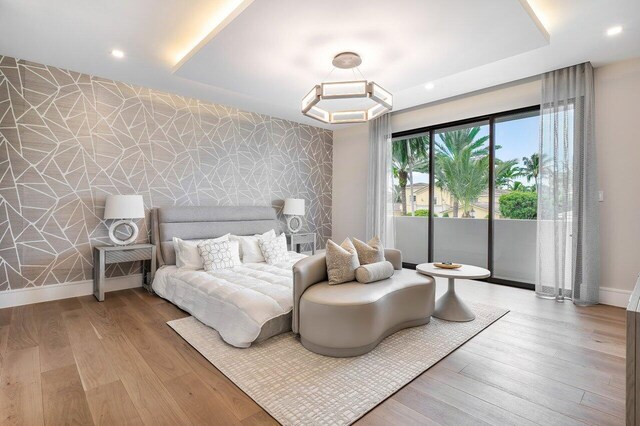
(518, 138)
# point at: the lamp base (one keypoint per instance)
(128, 223)
(294, 223)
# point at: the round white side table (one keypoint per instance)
(449, 306)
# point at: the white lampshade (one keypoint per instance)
(124, 207)
(294, 206)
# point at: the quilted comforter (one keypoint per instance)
(236, 302)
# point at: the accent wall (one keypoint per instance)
(67, 140)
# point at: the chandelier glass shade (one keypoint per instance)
(382, 100)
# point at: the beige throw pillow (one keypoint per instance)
(342, 262)
(374, 272)
(370, 252)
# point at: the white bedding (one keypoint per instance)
(236, 302)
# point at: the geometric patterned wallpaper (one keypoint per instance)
(68, 139)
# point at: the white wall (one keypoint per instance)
(349, 192)
(617, 115)
(618, 140)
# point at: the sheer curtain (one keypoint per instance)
(568, 224)
(380, 183)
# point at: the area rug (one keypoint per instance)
(298, 387)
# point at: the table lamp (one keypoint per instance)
(293, 209)
(124, 208)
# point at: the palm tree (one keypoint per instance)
(506, 172)
(407, 156)
(531, 167)
(462, 165)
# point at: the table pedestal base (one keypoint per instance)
(450, 307)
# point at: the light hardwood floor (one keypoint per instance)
(117, 362)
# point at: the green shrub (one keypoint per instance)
(445, 215)
(519, 205)
(421, 213)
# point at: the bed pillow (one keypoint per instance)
(234, 246)
(369, 252)
(187, 254)
(216, 255)
(274, 250)
(342, 261)
(249, 248)
(373, 272)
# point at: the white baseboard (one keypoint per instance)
(614, 297)
(26, 296)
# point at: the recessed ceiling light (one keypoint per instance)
(614, 30)
(429, 86)
(117, 53)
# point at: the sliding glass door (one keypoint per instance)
(516, 200)
(461, 183)
(466, 192)
(410, 162)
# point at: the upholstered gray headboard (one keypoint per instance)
(200, 222)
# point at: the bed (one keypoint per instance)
(246, 304)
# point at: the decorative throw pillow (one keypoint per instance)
(370, 252)
(215, 255)
(342, 261)
(274, 250)
(187, 253)
(249, 248)
(374, 272)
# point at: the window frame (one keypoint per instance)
(431, 130)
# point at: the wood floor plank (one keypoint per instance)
(201, 404)
(498, 397)
(586, 340)
(23, 330)
(20, 388)
(69, 304)
(55, 348)
(468, 403)
(554, 401)
(64, 400)
(21, 366)
(261, 418)
(170, 312)
(237, 401)
(4, 339)
(606, 405)
(110, 405)
(94, 365)
(503, 332)
(435, 409)
(166, 363)
(527, 379)
(100, 315)
(151, 399)
(5, 316)
(591, 380)
(393, 412)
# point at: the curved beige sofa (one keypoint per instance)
(350, 319)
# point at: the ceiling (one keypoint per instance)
(264, 55)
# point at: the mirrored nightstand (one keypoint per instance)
(107, 255)
(295, 240)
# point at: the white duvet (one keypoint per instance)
(236, 302)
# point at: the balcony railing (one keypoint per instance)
(465, 241)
